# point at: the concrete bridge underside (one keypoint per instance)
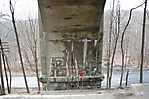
(71, 22)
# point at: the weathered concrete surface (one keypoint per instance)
(65, 21)
(56, 97)
(71, 16)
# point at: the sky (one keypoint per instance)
(29, 8)
(23, 8)
(125, 4)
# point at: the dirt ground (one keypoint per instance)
(75, 94)
(134, 92)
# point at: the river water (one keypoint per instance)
(133, 78)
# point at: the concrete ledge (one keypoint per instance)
(88, 96)
(140, 89)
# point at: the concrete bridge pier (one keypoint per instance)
(66, 24)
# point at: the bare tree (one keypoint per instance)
(30, 34)
(5, 67)
(122, 41)
(1, 75)
(18, 43)
(116, 35)
(109, 45)
(9, 70)
(143, 40)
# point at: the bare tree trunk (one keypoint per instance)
(122, 41)
(123, 59)
(4, 64)
(112, 60)
(143, 40)
(1, 74)
(37, 72)
(109, 49)
(19, 49)
(126, 53)
(34, 51)
(116, 38)
(125, 64)
(127, 75)
(8, 67)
